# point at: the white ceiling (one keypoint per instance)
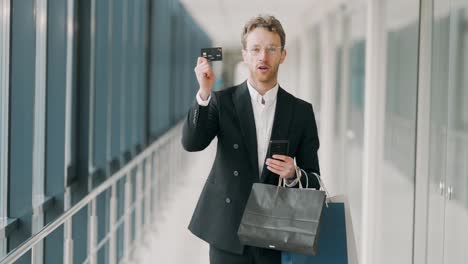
(223, 20)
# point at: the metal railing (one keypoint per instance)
(154, 166)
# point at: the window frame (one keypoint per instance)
(4, 119)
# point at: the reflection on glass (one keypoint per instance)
(353, 100)
(456, 172)
(438, 128)
(395, 183)
(448, 195)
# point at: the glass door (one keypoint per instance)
(438, 130)
(448, 193)
(456, 191)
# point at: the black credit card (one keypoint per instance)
(212, 54)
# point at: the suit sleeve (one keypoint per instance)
(201, 125)
(307, 156)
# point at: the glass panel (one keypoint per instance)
(4, 115)
(80, 235)
(55, 129)
(354, 143)
(127, 85)
(120, 242)
(103, 254)
(23, 31)
(161, 113)
(102, 210)
(456, 210)
(438, 128)
(395, 188)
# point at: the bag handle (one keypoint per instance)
(282, 180)
(298, 179)
(322, 185)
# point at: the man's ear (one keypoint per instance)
(244, 55)
(283, 55)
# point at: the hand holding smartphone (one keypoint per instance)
(278, 147)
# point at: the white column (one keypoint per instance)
(4, 115)
(305, 66)
(67, 233)
(287, 74)
(374, 117)
(422, 137)
(327, 113)
(315, 70)
(110, 84)
(92, 95)
(92, 210)
(39, 135)
(342, 174)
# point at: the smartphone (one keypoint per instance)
(280, 147)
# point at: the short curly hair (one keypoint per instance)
(267, 22)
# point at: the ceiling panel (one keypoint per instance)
(223, 19)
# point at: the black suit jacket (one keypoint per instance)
(229, 117)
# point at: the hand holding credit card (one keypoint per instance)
(212, 54)
(204, 72)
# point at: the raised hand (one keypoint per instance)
(205, 77)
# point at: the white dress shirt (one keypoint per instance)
(202, 102)
(264, 112)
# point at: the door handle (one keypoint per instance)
(442, 187)
(449, 193)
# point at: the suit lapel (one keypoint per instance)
(243, 105)
(280, 129)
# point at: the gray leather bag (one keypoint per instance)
(282, 218)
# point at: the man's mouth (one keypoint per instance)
(263, 68)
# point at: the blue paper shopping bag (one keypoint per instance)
(332, 247)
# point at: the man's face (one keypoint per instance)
(263, 55)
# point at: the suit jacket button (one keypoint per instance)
(236, 173)
(235, 146)
(228, 200)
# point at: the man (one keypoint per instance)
(245, 118)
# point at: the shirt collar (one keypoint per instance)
(269, 96)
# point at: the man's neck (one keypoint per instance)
(262, 88)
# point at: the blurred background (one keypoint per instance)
(93, 94)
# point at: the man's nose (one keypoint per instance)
(263, 54)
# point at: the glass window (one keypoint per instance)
(116, 84)
(354, 118)
(448, 195)
(395, 188)
(55, 122)
(22, 81)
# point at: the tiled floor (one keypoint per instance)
(171, 241)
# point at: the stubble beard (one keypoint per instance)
(266, 78)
